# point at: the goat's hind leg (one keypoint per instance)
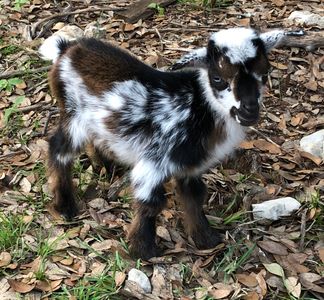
(193, 192)
(61, 157)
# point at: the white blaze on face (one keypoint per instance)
(238, 42)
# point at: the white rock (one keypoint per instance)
(70, 32)
(306, 18)
(274, 209)
(314, 143)
(141, 279)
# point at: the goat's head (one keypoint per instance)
(238, 67)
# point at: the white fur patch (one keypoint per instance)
(64, 158)
(221, 104)
(238, 42)
(145, 177)
(49, 50)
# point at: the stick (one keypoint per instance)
(264, 136)
(23, 72)
(302, 230)
(12, 154)
(36, 106)
(70, 13)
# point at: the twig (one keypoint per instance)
(12, 154)
(302, 230)
(24, 72)
(70, 13)
(50, 113)
(264, 136)
(40, 106)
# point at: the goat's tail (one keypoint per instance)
(54, 47)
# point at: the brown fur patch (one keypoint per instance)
(112, 121)
(57, 86)
(192, 193)
(142, 234)
(100, 72)
(225, 69)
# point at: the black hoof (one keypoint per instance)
(143, 251)
(207, 239)
(67, 211)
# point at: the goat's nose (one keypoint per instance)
(250, 108)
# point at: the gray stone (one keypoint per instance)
(314, 143)
(305, 18)
(141, 279)
(274, 209)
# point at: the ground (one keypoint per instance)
(42, 256)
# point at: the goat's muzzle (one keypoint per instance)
(246, 115)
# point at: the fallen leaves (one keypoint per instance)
(292, 108)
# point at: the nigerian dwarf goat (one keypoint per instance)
(161, 124)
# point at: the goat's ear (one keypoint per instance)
(213, 51)
(272, 38)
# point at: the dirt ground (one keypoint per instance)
(44, 257)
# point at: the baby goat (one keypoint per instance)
(161, 124)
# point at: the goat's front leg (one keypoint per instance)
(193, 192)
(61, 156)
(150, 201)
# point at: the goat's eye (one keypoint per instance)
(219, 83)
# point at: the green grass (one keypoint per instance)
(100, 287)
(8, 50)
(234, 257)
(12, 229)
(9, 84)
(18, 4)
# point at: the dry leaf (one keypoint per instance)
(321, 254)
(5, 259)
(307, 280)
(97, 268)
(262, 283)
(267, 146)
(247, 280)
(298, 119)
(119, 278)
(220, 290)
(129, 27)
(48, 286)
(293, 287)
(311, 85)
(278, 3)
(275, 269)
(247, 145)
(273, 247)
(278, 65)
(163, 233)
(102, 246)
(25, 185)
(276, 282)
(317, 160)
(20, 287)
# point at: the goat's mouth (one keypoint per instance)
(244, 116)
